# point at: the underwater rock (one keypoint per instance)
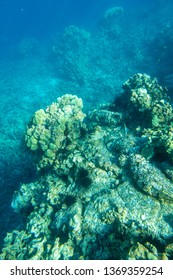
(150, 179)
(15, 245)
(167, 169)
(141, 252)
(22, 198)
(169, 251)
(105, 117)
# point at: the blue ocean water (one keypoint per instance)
(43, 18)
(41, 59)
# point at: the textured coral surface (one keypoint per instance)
(102, 190)
(87, 181)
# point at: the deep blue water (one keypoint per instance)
(41, 18)
(29, 69)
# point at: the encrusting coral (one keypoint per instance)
(104, 190)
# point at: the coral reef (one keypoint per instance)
(110, 23)
(91, 64)
(160, 54)
(100, 193)
(71, 55)
(148, 102)
(34, 72)
(55, 129)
